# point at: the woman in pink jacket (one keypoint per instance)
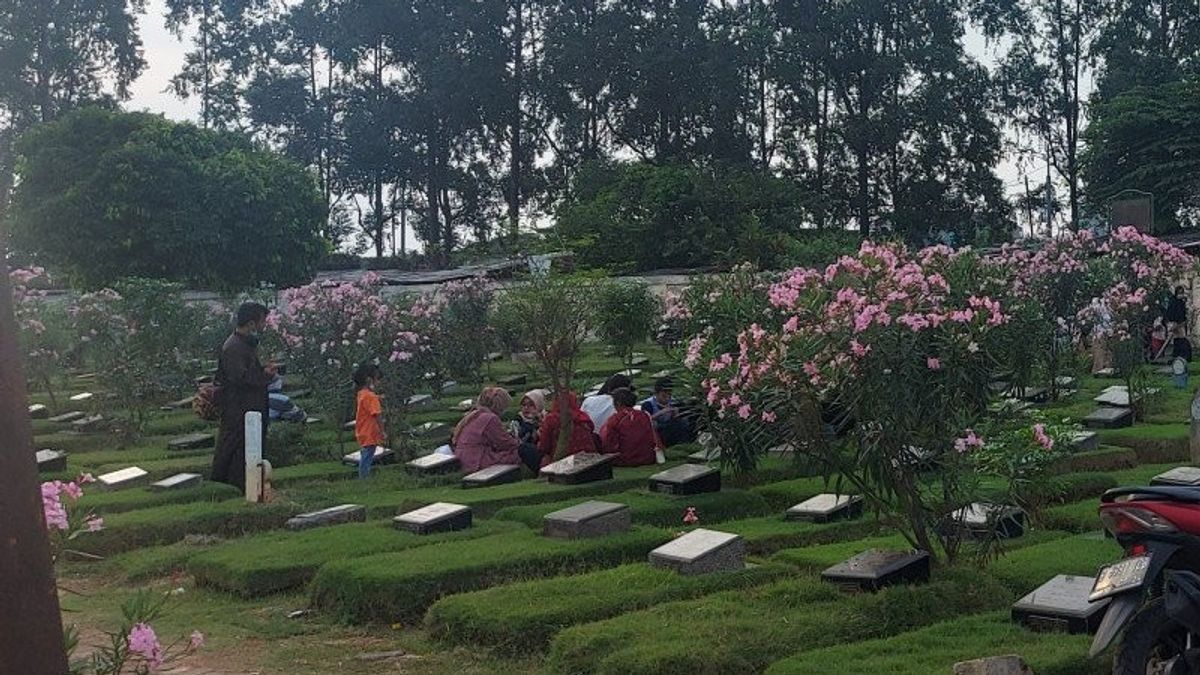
(480, 439)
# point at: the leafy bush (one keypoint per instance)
(104, 195)
(516, 618)
(400, 586)
(625, 315)
(44, 329)
(454, 319)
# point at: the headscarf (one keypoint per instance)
(494, 399)
(615, 382)
(538, 398)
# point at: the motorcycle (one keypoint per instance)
(1153, 593)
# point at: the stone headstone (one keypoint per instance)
(192, 441)
(1061, 604)
(90, 423)
(663, 374)
(981, 520)
(180, 481)
(498, 474)
(439, 517)
(702, 552)
(85, 377)
(1118, 396)
(1010, 406)
(382, 456)
(334, 515)
(466, 404)
(513, 380)
(1085, 441)
(494, 356)
(1105, 372)
(448, 385)
(782, 450)
(125, 478)
(876, 568)
(428, 429)
(51, 461)
(434, 463)
(204, 379)
(66, 418)
(1066, 382)
(419, 400)
(631, 373)
(585, 467)
(1109, 418)
(639, 360)
(686, 479)
(1032, 394)
(312, 420)
(825, 508)
(1188, 476)
(37, 411)
(705, 455)
(256, 465)
(993, 665)
(586, 520)
(83, 397)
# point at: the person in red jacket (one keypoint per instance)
(629, 432)
(583, 432)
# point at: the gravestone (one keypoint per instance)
(312, 420)
(876, 568)
(705, 455)
(702, 551)
(382, 456)
(586, 520)
(631, 373)
(1106, 372)
(1109, 418)
(204, 379)
(1066, 382)
(90, 423)
(686, 479)
(1085, 441)
(51, 461)
(494, 356)
(782, 450)
(498, 474)
(1009, 664)
(513, 381)
(585, 467)
(428, 429)
(37, 411)
(419, 400)
(1032, 394)
(180, 481)
(982, 520)
(663, 374)
(639, 360)
(1117, 396)
(1187, 476)
(192, 441)
(349, 426)
(125, 478)
(825, 508)
(1061, 604)
(256, 466)
(82, 397)
(434, 463)
(439, 517)
(465, 404)
(334, 515)
(85, 377)
(448, 385)
(66, 418)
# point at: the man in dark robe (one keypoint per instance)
(242, 384)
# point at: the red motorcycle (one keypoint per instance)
(1154, 592)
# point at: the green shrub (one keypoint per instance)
(655, 509)
(170, 523)
(744, 631)
(400, 586)
(526, 615)
(280, 561)
(1076, 486)
(142, 498)
(1026, 569)
(937, 648)
(1077, 517)
(625, 315)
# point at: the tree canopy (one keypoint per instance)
(104, 195)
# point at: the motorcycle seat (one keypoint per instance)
(1169, 493)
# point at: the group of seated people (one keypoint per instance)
(610, 422)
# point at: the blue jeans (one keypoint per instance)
(365, 459)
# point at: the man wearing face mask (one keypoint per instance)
(242, 381)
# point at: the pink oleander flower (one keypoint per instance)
(1039, 435)
(144, 642)
(95, 524)
(968, 442)
(858, 349)
(690, 517)
(933, 363)
(197, 640)
(744, 411)
(72, 490)
(768, 417)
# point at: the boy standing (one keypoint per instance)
(368, 417)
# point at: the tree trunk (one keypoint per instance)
(514, 123)
(31, 637)
(566, 422)
(379, 219)
(864, 210)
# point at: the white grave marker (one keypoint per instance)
(254, 457)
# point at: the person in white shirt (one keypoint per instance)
(600, 407)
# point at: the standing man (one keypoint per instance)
(242, 385)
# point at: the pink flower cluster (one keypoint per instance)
(144, 642)
(56, 512)
(1039, 435)
(969, 442)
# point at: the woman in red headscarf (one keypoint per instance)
(583, 431)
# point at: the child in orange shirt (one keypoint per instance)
(368, 417)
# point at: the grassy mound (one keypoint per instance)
(937, 648)
(142, 498)
(522, 616)
(785, 494)
(1103, 459)
(655, 509)
(170, 523)
(1025, 569)
(746, 630)
(400, 586)
(280, 561)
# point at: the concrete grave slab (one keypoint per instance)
(180, 481)
(37, 411)
(686, 479)
(125, 478)
(513, 381)
(702, 551)
(51, 461)
(82, 397)
(334, 515)
(439, 517)
(1085, 441)
(705, 455)
(1186, 476)
(89, 423)
(66, 418)
(982, 520)
(429, 429)
(1061, 604)
(433, 463)
(192, 441)
(1109, 418)
(419, 400)
(383, 456)
(499, 474)
(874, 569)
(587, 520)
(585, 467)
(826, 508)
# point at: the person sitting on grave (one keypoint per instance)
(583, 432)
(1176, 311)
(368, 416)
(480, 440)
(600, 407)
(529, 421)
(283, 408)
(241, 382)
(672, 426)
(630, 433)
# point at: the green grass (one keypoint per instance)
(744, 631)
(281, 561)
(1026, 569)
(518, 617)
(1103, 459)
(765, 536)
(785, 494)
(171, 522)
(143, 498)
(817, 558)
(937, 648)
(154, 561)
(1078, 517)
(655, 509)
(400, 586)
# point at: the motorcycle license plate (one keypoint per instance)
(1119, 577)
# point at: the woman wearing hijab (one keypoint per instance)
(533, 409)
(600, 407)
(480, 440)
(583, 432)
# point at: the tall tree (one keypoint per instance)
(1146, 43)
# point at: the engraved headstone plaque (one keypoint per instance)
(180, 481)
(824, 508)
(876, 568)
(1061, 604)
(439, 517)
(125, 478)
(498, 474)
(686, 479)
(586, 520)
(433, 463)
(334, 515)
(585, 467)
(701, 552)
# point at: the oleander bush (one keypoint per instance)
(400, 586)
(518, 617)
